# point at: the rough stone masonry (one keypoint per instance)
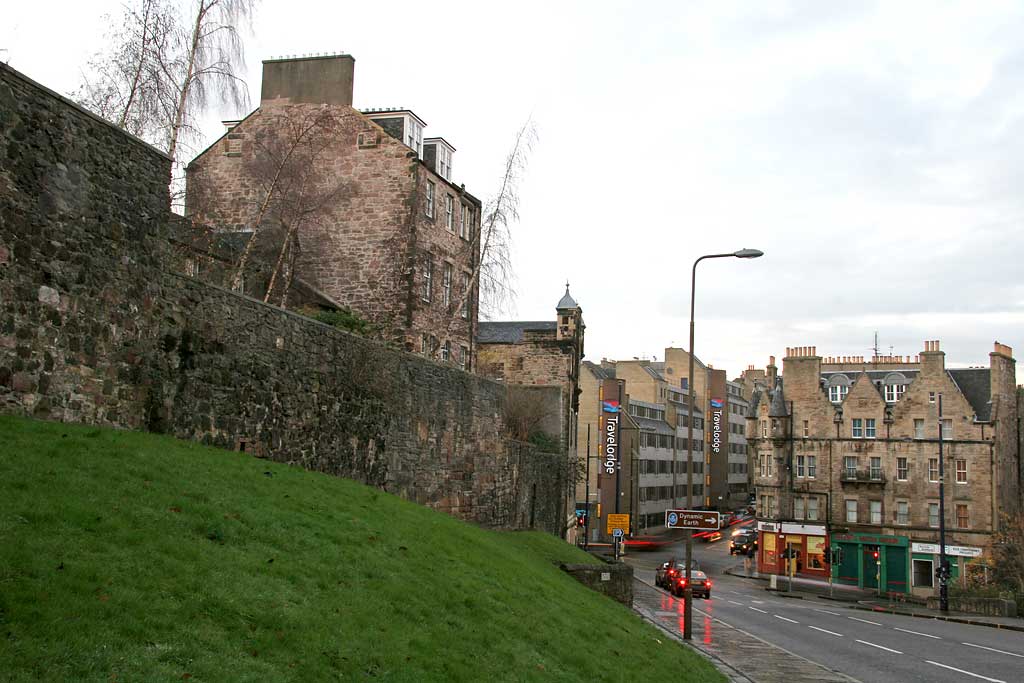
(93, 329)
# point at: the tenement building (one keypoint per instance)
(358, 204)
(847, 455)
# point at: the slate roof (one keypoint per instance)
(598, 371)
(567, 301)
(778, 405)
(755, 400)
(649, 425)
(512, 332)
(976, 386)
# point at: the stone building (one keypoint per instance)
(379, 225)
(847, 454)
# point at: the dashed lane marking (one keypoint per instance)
(825, 611)
(758, 610)
(926, 635)
(823, 630)
(953, 668)
(735, 603)
(880, 647)
(865, 621)
(792, 621)
(992, 649)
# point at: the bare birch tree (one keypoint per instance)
(493, 270)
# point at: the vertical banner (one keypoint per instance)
(717, 406)
(609, 451)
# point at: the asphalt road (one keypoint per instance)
(867, 646)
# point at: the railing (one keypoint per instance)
(865, 476)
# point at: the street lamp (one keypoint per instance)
(688, 592)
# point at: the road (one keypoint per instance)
(867, 646)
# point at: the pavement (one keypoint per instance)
(869, 600)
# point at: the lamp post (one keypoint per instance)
(943, 561)
(688, 592)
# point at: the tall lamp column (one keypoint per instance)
(688, 591)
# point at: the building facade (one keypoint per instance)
(847, 455)
(365, 205)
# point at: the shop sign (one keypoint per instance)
(768, 526)
(717, 406)
(807, 529)
(956, 550)
(870, 538)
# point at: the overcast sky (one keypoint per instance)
(873, 151)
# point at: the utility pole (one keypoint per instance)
(943, 562)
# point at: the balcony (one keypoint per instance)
(872, 476)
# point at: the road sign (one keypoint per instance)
(692, 519)
(617, 521)
(617, 533)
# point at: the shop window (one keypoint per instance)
(923, 574)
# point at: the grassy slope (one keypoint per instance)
(131, 557)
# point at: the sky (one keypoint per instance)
(873, 151)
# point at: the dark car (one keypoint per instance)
(668, 571)
(700, 584)
(742, 542)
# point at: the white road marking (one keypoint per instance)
(757, 602)
(825, 611)
(880, 647)
(833, 633)
(758, 610)
(722, 623)
(926, 635)
(992, 649)
(864, 621)
(792, 621)
(735, 603)
(953, 668)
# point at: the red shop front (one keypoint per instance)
(806, 543)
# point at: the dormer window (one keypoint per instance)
(437, 154)
(402, 125)
(837, 393)
(893, 392)
(414, 135)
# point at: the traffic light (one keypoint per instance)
(581, 518)
(874, 555)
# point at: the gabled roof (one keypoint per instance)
(778, 405)
(976, 386)
(512, 332)
(598, 371)
(755, 400)
(649, 425)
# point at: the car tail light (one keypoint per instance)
(708, 582)
(682, 582)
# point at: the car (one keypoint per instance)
(668, 571)
(711, 536)
(700, 584)
(742, 541)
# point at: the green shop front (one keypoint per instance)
(871, 561)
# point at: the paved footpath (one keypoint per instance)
(739, 655)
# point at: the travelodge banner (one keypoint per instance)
(608, 445)
(718, 418)
(717, 406)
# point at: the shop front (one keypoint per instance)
(805, 544)
(873, 561)
(924, 561)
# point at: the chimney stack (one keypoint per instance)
(308, 80)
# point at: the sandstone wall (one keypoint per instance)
(93, 329)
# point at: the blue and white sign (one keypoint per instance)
(673, 519)
(617, 533)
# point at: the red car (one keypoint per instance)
(700, 584)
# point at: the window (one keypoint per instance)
(464, 222)
(901, 469)
(858, 428)
(902, 512)
(767, 506)
(812, 508)
(798, 508)
(875, 507)
(836, 394)
(191, 267)
(961, 471)
(918, 428)
(933, 515)
(765, 464)
(414, 135)
(933, 469)
(807, 428)
(428, 278)
(851, 511)
(764, 428)
(931, 397)
(446, 351)
(893, 392)
(425, 345)
(446, 285)
(812, 466)
(963, 517)
(430, 200)
(463, 357)
(923, 573)
(947, 429)
(876, 468)
(850, 467)
(800, 465)
(444, 162)
(449, 212)
(869, 428)
(467, 296)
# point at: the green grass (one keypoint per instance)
(133, 557)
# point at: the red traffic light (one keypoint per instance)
(874, 554)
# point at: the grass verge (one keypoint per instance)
(134, 557)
